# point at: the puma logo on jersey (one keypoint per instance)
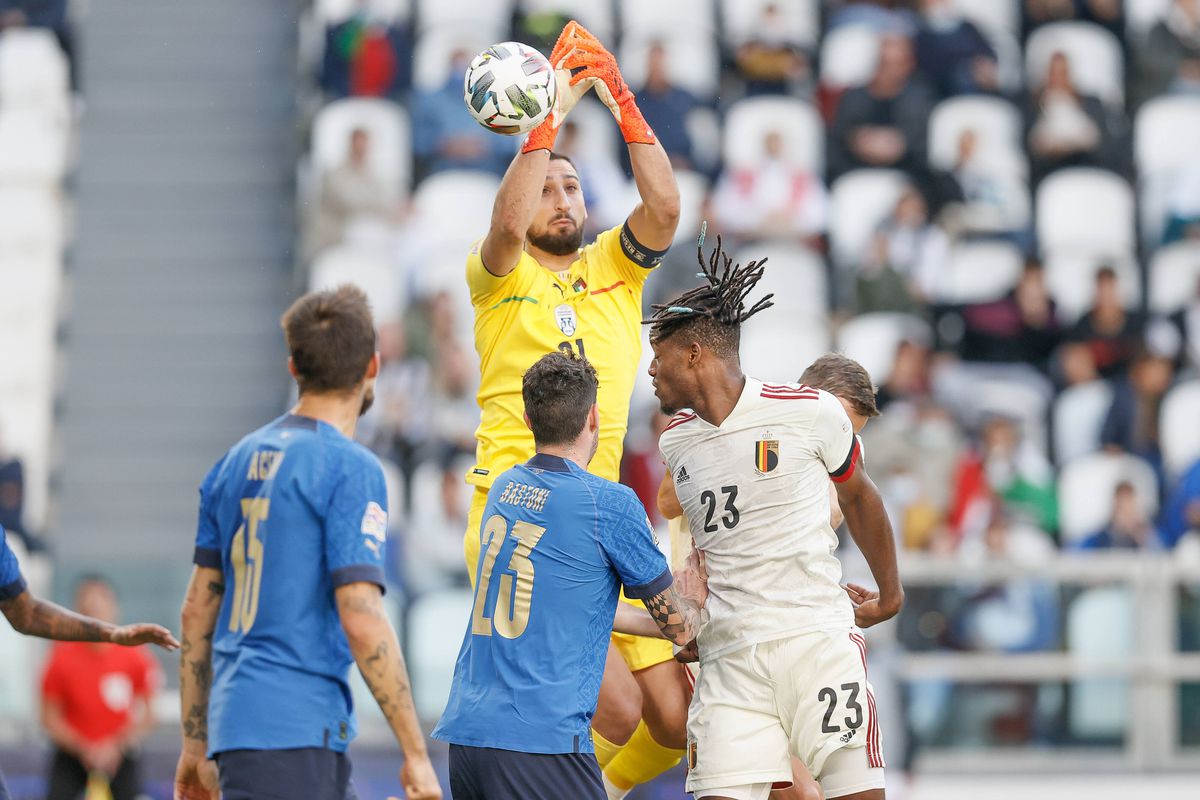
(681, 475)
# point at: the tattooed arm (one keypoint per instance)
(195, 775)
(377, 653)
(676, 609)
(32, 616)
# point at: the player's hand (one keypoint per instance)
(692, 580)
(419, 780)
(567, 93)
(144, 633)
(587, 60)
(689, 653)
(868, 610)
(196, 779)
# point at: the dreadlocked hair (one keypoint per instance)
(715, 310)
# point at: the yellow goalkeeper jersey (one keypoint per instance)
(593, 309)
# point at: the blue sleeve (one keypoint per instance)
(11, 582)
(208, 533)
(356, 523)
(625, 536)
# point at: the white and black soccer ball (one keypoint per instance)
(509, 88)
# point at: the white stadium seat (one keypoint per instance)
(431, 56)
(1174, 277)
(872, 339)
(777, 349)
(748, 121)
(598, 134)
(859, 201)
(33, 148)
(795, 275)
(31, 220)
(991, 15)
(1179, 417)
(492, 15)
(596, 17)
(1071, 280)
(980, 272)
(1094, 54)
(386, 123)
(1078, 416)
(848, 55)
(1141, 15)
(456, 204)
(437, 620)
(692, 58)
(800, 20)
(33, 70)
(657, 19)
(997, 125)
(1162, 134)
(693, 190)
(366, 268)
(1085, 491)
(1084, 210)
(331, 12)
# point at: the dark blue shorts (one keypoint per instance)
(309, 772)
(484, 773)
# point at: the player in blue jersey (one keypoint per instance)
(558, 545)
(35, 617)
(287, 587)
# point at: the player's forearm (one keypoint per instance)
(677, 617)
(377, 652)
(34, 617)
(635, 621)
(197, 623)
(513, 211)
(655, 220)
(872, 532)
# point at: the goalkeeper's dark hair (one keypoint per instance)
(712, 313)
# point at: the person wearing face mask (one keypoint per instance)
(952, 52)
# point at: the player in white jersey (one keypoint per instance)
(783, 667)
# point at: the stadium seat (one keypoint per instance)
(387, 124)
(1010, 61)
(1174, 277)
(872, 339)
(437, 620)
(1097, 65)
(596, 17)
(657, 20)
(1072, 284)
(795, 274)
(848, 56)
(1180, 419)
(456, 204)
(33, 148)
(1141, 15)
(366, 268)
(1085, 491)
(1100, 628)
(859, 201)
(598, 136)
(990, 15)
(978, 391)
(431, 56)
(748, 121)
(31, 220)
(997, 125)
(492, 15)
(800, 20)
(33, 70)
(1162, 134)
(1084, 210)
(777, 349)
(1078, 416)
(693, 58)
(331, 12)
(1153, 195)
(980, 272)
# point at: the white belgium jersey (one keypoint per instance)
(755, 491)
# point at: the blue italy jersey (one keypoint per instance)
(557, 543)
(11, 582)
(293, 511)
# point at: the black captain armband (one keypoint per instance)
(637, 252)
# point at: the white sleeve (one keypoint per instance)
(833, 438)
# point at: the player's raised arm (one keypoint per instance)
(653, 222)
(195, 775)
(377, 652)
(871, 530)
(33, 616)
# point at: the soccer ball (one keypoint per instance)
(509, 88)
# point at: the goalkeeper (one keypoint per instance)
(536, 287)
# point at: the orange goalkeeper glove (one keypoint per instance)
(567, 92)
(589, 60)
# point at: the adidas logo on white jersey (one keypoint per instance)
(681, 475)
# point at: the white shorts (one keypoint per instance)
(754, 708)
(847, 771)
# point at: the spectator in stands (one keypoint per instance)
(1131, 425)
(1021, 327)
(1130, 526)
(907, 258)
(1173, 42)
(49, 14)
(883, 124)
(1106, 13)
(1112, 334)
(952, 53)
(349, 192)
(769, 62)
(909, 380)
(771, 198)
(366, 56)
(12, 498)
(1181, 514)
(1066, 128)
(666, 107)
(97, 704)
(454, 414)
(604, 184)
(993, 198)
(447, 138)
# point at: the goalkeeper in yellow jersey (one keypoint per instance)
(535, 288)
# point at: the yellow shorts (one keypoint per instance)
(639, 652)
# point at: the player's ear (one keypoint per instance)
(594, 417)
(694, 353)
(528, 424)
(292, 368)
(373, 367)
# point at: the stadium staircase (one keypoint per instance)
(181, 269)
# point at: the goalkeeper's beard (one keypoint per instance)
(558, 244)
